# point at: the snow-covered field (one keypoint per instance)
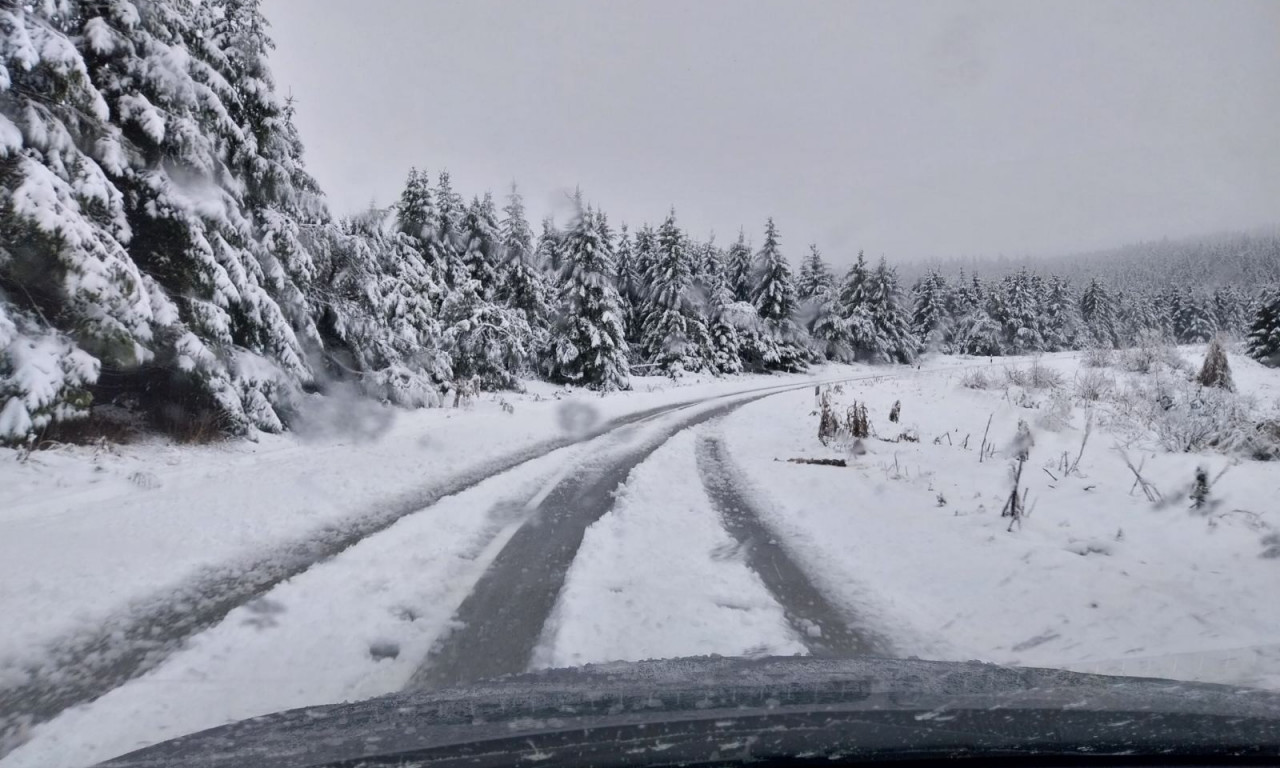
(907, 541)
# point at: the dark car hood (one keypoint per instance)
(691, 711)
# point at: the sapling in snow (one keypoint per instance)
(1200, 489)
(1216, 372)
(1015, 506)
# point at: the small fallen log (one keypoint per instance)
(820, 462)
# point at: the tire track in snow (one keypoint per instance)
(823, 628)
(82, 667)
(498, 626)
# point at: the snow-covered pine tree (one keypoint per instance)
(522, 285)
(726, 344)
(773, 292)
(628, 282)
(930, 316)
(280, 197)
(71, 298)
(227, 345)
(740, 269)
(547, 254)
(815, 277)
(891, 339)
(1098, 313)
(449, 243)
(674, 336)
(376, 307)
(976, 332)
(1230, 310)
(489, 341)
(415, 213)
(1060, 315)
(588, 344)
(828, 329)
(1192, 320)
(785, 346)
(709, 275)
(479, 235)
(1017, 310)
(1136, 316)
(1264, 333)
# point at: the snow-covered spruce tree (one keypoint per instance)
(828, 329)
(891, 339)
(1216, 371)
(522, 284)
(225, 344)
(1230, 310)
(740, 269)
(71, 298)
(1098, 313)
(1192, 320)
(709, 274)
(376, 302)
(930, 315)
(976, 332)
(1264, 333)
(449, 244)
(479, 235)
(785, 345)
(280, 196)
(815, 278)
(628, 282)
(1017, 310)
(773, 292)
(488, 341)
(1060, 316)
(674, 335)
(1136, 317)
(547, 254)
(588, 346)
(726, 344)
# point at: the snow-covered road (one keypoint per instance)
(668, 526)
(522, 514)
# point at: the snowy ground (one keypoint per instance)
(907, 542)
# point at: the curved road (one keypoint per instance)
(80, 668)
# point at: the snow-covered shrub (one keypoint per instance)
(1055, 415)
(977, 378)
(1035, 376)
(1096, 356)
(1094, 386)
(1184, 417)
(1149, 354)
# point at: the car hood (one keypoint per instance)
(701, 710)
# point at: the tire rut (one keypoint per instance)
(499, 624)
(822, 627)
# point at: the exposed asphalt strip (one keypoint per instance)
(498, 625)
(82, 667)
(824, 629)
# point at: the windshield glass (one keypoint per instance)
(353, 350)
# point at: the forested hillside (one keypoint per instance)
(163, 249)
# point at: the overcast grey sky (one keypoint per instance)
(909, 129)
